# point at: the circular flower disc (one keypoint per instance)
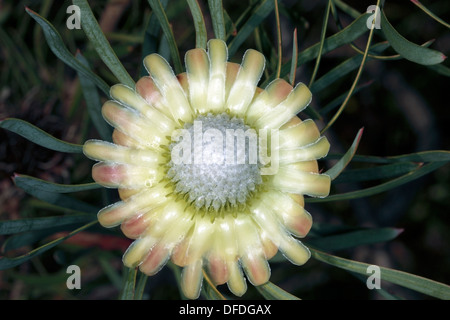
(211, 169)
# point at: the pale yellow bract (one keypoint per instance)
(234, 239)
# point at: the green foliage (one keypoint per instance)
(369, 175)
(56, 44)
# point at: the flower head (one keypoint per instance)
(211, 169)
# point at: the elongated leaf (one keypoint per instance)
(217, 17)
(324, 229)
(271, 291)
(381, 187)
(354, 84)
(55, 187)
(380, 290)
(93, 102)
(129, 285)
(31, 224)
(406, 48)
(28, 185)
(39, 280)
(100, 43)
(151, 38)
(28, 239)
(105, 262)
(354, 238)
(176, 270)
(38, 136)
(199, 23)
(343, 69)
(347, 8)
(6, 263)
(431, 14)
(441, 69)
(336, 170)
(407, 280)
(256, 18)
(279, 40)
(347, 35)
(57, 46)
(423, 156)
(379, 172)
(336, 102)
(321, 43)
(158, 10)
(139, 292)
(293, 70)
(230, 26)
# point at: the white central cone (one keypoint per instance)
(214, 162)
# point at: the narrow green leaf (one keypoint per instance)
(29, 186)
(128, 288)
(20, 57)
(38, 280)
(327, 229)
(158, 10)
(381, 187)
(57, 46)
(244, 16)
(355, 81)
(38, 136)
(177, 274)
(256, 18)
(139, 292)
(347, 9)
(381, 291)
(407, 49)
(163, 49)
(33, 237)
(271, 291)
(343, 69)
(379, 172)
(100, 43)
(230, 26)
(201, 37)
(321, 43)
(31, 224)
(423, 156)
(333, 104)
(109, 270)
(352, 32)
(336, 170)
(93, 102)
(407, 280)
(431, 14)
(293, 70)
(151, 38)
(217, 17)
(354, 238)
(47, 186)
(441, 69)
(28, 239)
(6, 263)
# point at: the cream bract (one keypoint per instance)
(211, 169)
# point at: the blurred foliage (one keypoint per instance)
(403, 107)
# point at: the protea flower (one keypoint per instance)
(193, 188)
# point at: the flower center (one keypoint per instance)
(214, 162)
